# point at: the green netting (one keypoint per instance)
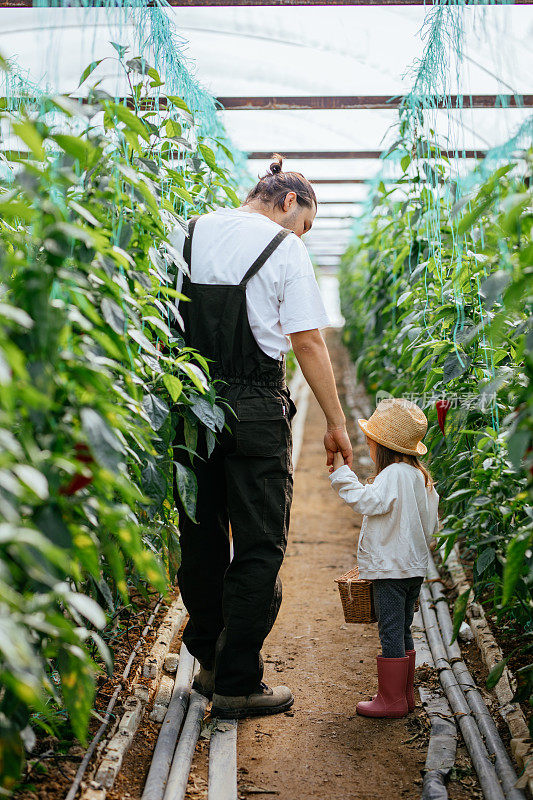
(157, 41)
(433, 161)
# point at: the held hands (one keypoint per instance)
(338, 448)
(338, 461)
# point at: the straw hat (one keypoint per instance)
(399, 424)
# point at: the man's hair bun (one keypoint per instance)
(275, 166)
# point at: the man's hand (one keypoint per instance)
(336, 440)
(313, 357)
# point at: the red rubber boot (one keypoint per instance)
(409, 689)
(390, 701)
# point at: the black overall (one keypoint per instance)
(246, 483)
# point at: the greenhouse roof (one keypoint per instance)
(314, 56)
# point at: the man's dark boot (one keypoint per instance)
(264, 701)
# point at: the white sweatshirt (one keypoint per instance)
(400, 517)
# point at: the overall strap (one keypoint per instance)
(188, 240)
(262, 257)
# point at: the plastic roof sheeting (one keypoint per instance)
(249, 51)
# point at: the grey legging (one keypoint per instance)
(394, 599)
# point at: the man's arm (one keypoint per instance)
(313, 357)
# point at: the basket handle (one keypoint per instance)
(349, 582)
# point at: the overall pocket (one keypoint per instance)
(260, 428)
(276, 508)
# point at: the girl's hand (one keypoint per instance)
(338, 461)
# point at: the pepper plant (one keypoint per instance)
(93, 376)
(437, 291)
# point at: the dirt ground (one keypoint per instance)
(320, 749)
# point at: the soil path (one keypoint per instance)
(322, 749)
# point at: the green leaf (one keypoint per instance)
(87, 607)
(485, 560)
(211, 416)
(459, 613)
(120, 48)
(114, 315)
(515, 564)
(493, 287)
(405, 161)
(15, 209)
(105, 653)
(469, 219)
(208, 155)
(27, 131)
(179, 103)
(139, 65)
(133, 122)
(232, 196)
(453, 368)
(33, 479)
(156, 409)
(87, 71)
(153, 483)
(187, 488)
(105, 446)
(174, 386)
(195, 374)
(77, 688)
(495, 674)
(173, 128)
(143, 341)
(74, 146)
(49, 520)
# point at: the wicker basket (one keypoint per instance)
(356, 597)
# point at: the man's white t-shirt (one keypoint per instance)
(282, 298)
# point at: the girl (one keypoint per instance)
(400, 508)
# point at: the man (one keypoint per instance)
(252, 287)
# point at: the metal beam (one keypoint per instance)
(336, 102)
(277, 3)
(356, 154)
(340, 180)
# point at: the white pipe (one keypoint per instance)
(222, 783)
(170, 728)
(486, 725)
(471, 735)
(181, 763)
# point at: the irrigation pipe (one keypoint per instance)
(222, 779)
(521, 746)
(486, 725)
(181, 763)
(442, 746)
(110, 706)
(478, 753)
(170, 728)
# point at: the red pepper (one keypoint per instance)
(77, 482)
(83, 453)
(442, 407)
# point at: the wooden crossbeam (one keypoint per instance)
(356, 154)
(371, 102)
(277, 3)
